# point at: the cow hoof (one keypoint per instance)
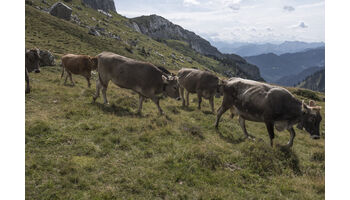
(27, 91)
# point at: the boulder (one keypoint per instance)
(46, 58)
(61, 10)
(94, 32)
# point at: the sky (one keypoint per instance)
(253, 21)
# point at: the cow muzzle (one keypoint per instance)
(37, 70)
(315, 137)
(178, 98)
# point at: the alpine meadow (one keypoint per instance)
(79, 149)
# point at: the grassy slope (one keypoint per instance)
(79, 150)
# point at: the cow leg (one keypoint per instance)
(221, 111)
(199, 95)
(211, 102)
(232, 111)
(292, 135)
(156, 101)
(242, 124)
(182, 96)
(187, 98)
(65, 80)
(27, 81)
(141, 98)
(104, 90)
(98, 88)
(270, 126)
(71, 79)
(88, 76)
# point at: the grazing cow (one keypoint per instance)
(144, 78)
(273, 105)
(32, 62)
(78, 64)
(204, 83)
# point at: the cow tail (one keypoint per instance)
(62, 71)
(100, 80)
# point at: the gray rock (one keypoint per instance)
(45, 2)
(105, 5)
(61, 10)
(75, 19)
(105, 13)
(78, 7)
(46, 58)
(94, 32)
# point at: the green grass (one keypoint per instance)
(76, 149)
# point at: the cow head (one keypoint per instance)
(311, 119)
(171, 86)
(93, 62)
(220, 88)
(33, 58)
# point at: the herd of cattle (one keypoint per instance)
(250, 100)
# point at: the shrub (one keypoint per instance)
(307, 94)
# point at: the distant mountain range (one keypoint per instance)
(249, 49)
(293, 80)
(273, 67)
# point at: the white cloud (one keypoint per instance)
(288, 8)
(239, 20)
(191, 2)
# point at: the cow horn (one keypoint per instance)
(165, 79)
(303, 106)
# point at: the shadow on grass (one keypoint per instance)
(230, 138)
(186, 108)
(116, 110)
(207, 112)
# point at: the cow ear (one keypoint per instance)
(165, 79)
(312, 103)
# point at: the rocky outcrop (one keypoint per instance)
(61, 10)
(158, 27)
(105, 5)
(46, 58)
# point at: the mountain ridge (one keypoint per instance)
(161, 29)
(273, 67)
(252, 49)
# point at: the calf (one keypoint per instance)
(78, 64)
(204, 83)
(272, 105)
(144, 78)
(32, 61)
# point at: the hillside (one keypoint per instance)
(246, 49)
(314, 82)
(292, 80)
(163, 30)
(274, 67)
(76, 149)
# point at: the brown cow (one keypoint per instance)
(32, 62)
(78, 64)
(273, 105)
(144, 78)
(204, 83)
